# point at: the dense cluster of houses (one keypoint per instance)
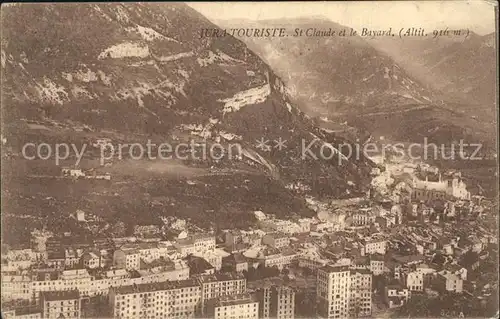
(425, 240)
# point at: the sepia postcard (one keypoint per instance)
(249, 160)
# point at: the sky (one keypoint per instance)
(476, 15)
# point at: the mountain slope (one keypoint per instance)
(333, 71)
(457, 66)
(354, 88)
(132, 72)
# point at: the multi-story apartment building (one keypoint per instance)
(263, 295)
(360, 302)
(236, 262)
(396, 295)
(276, 240)
(214, 258)
(276, 302)
(69, 280)
(203, 242)
(185, 247)
(374, 246)
(16, 287)
(280, 260)
(60, 304)
(363, 218)
(90, 286)
(128, 259)
(217, 285)
(56, 259)
(304, 225)
(169, 299)
(415, 281)
(164, 269)
(311, 262)
(233, 307)
(235, 238)
(91, 260)
(282, 302)
(282, 226)
(377, 264)
(333, 291)
(448, 281)
(72, 257)
(23, 313)
(195, 244)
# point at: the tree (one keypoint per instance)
(306, 272)
(273, 271)
(118, 229)
(438, 259)
(305, 304)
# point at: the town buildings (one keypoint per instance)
(233, 307)
(214, 286)
(276, 240)
(29, 312)
(415, 281)
(442, 189)
(282, 303)
(374, 246)
(276, 302)
(395, 295)
(61, 304)
(193, 274)
(360, 300)
(91, 260)
(127, 259)
(448, 281)
(333, 291)
(168, 299)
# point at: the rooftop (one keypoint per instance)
(361, 271)
(161, 262)
(138, 246)
(29, 310)
(116, 273)
(132, 251)
(408, 259)
(60, 295)
(59, 254)
(220, 277)
(198, 265)
(434, 186)
(157, 286)
(202, 236)
(277, 235)
(230, 300)
(449, 275)
(236, 258)
(334, 268)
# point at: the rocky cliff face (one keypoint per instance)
(141, 66)
(332, 74)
